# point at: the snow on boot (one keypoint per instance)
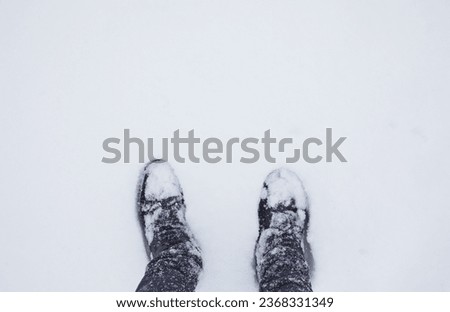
(283, 219)
(175, 254)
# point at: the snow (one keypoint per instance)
(73, 73)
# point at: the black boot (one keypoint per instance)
(283, 218)
(175, 255)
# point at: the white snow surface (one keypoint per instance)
(73, 73)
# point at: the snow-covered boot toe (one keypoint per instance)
(283, 218)
(176, 257)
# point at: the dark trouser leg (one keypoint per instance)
(176, 262)
(172, 271)
(282, 265)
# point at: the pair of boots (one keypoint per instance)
(176, 259)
